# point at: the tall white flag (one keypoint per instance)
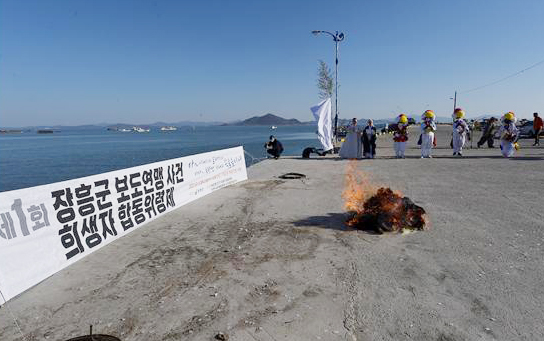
(323, 115)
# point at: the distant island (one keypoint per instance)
(267, 120)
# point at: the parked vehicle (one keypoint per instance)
(526, 130)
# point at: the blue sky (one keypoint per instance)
(84, 62)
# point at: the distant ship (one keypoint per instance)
(168, 128)
(124, 130)
(273, 127)
(140, 130)
(45, 131)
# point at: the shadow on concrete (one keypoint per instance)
(527, 158)
(329, 158)
(519, 158)
(333, 221)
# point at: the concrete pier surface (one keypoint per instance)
(271, 259)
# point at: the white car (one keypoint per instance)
(526, 130)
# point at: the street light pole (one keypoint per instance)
(337, 37)
(336, 89)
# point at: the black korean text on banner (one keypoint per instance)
(46, 228)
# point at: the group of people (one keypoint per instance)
(506, 131)
(359, 142)
(362, 142)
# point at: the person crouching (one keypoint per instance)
(460, 130)
(428, 127)
(508, 133)
(274, 147)
(400, 136)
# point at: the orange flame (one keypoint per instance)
(378, 207)
(357, 188)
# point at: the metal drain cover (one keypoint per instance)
(290, 176)
(95, 337)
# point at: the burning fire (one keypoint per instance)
(378, 209)
(357, 188)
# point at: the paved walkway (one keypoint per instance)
(270, 259)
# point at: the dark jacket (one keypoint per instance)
(369, 143)
(274, 148)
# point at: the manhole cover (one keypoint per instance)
(95, 337)
(292, 176)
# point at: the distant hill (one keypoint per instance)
(267, 120)
(117, 125)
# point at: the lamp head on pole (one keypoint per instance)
(316, 32)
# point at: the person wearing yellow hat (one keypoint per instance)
(400, 135)
(508, 133)
(460, 131)
(428, 127)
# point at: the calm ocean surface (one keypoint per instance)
(31, 159)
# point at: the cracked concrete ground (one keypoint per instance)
(270, 259)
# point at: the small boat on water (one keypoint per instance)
(273, 127)
(45, 131)
(169, 128)
(140, 130)
(123, 130)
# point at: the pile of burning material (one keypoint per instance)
(379, 210)
(386, 211)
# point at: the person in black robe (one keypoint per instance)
(489, 132)
(274, 147)
(369, 140)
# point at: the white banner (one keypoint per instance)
(44, 229)
(323, 115)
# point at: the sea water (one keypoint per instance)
(30, 159)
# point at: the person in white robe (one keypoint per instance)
(460, 131)
(351, 148)
(428, 127)
(509, 134)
